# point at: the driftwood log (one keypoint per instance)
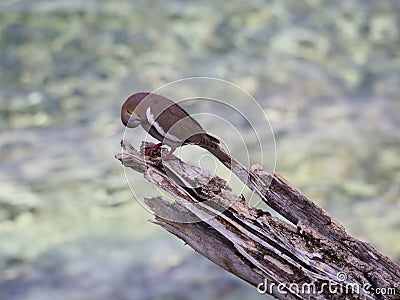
(307, 256)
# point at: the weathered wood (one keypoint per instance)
(312, 251)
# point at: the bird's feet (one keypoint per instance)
(149, 150)
(166, 156)
(154, 153)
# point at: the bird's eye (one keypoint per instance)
(129, 112)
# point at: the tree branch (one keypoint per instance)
(312, 252)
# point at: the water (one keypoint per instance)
(327, 76)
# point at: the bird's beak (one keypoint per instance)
(133, 122)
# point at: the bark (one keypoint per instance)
(306, 254)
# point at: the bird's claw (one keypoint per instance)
(164, 157)
(150, 149)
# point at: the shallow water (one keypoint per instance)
(326, 75)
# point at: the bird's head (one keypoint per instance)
(133, 110)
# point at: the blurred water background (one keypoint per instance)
(327, 73)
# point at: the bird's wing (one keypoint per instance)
(172, 121)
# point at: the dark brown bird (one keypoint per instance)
(169, 123)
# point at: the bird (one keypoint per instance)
(170, 124)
